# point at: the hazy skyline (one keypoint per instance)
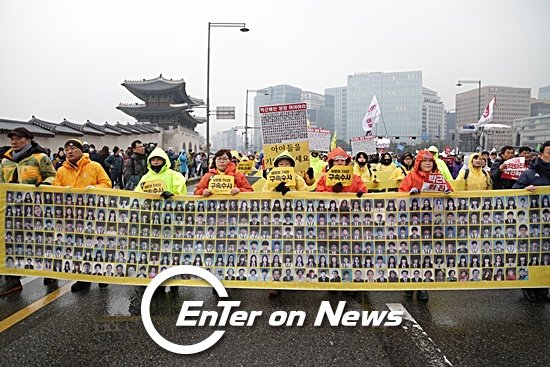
(67, 59)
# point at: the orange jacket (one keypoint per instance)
(85, 173)
(231, 170)
(356, 186)
(416, 177)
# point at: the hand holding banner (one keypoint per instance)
(340, 174)
(281, 174)
(514, 168)
(435, 182)
(221, 184)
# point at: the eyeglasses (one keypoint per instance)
(222, 159)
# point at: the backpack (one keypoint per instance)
(467, 172)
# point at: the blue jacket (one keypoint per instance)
(183, 162)
(538, 174)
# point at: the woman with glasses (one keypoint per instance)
(222, 165)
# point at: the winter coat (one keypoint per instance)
(240, 180)
(477, 178)
(417, 177)
(538, 174)
(85, 173)
(402, 170)
(133, 170)
(114, 163)
(34, 167)
(167, 179)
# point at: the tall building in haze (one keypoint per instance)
(433, 116)
(400, 98)
(339, 97)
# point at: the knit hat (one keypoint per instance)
(74, 143)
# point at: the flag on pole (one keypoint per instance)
(372, 115)
(487, 115)
(333, 141)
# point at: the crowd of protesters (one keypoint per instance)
(79, 165)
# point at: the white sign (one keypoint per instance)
(319, 139)
(365, 144)
(284, 123)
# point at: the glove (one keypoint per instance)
(414, 191)
(42, 183)
(360, 193)
(310, 173)
(285, 190)
(166, 194)
(448, 191)
(338, 187)
(280, 187)
(264, 174)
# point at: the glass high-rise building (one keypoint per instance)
(339, 96)
(400, 98)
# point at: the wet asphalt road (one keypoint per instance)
(103, 326)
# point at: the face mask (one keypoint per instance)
(385, 161)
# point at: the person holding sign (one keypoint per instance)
(362, 168)
(425, 176)
(295, 183)
(222, 165)
(160, 179)
(339, 158)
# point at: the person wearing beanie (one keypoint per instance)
(25, 162)
(338, 157)
(160, 179)
(406, 165)
(78, 171)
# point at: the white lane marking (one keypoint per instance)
(433, 353)
(27, 280)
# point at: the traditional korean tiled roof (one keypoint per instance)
(57, 129)
(148, 87)
(7, 125)
(106, 129)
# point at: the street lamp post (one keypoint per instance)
(478, 82)
(246, 116)
(243, 28)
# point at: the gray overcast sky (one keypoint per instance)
(67, 59)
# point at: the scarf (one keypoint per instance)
(17, 156)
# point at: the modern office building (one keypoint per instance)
(400, 98)
(450, 126)
(339, 98)
(531, 130)
(511, 103)
(433, 116)
(544, 92)
(228, 139)
(315, 103)
(540, 107)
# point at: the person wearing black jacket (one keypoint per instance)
(498, 167)
(135, 167)
(538, 174)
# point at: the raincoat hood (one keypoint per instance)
(160, 153)
(338, 153)
(434, 149)
(402, 160)
(470, 161)
(284, 155)
(420, 157)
